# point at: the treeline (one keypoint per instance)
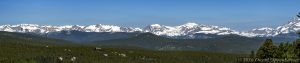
(282, 51)
(285, 50)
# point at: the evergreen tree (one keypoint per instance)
(281, 50)
(297, 48)
(267, 50)
(286, 50)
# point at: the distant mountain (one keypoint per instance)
(188, 29)
(47, 28)
(286, 32)
(185, 31)
(292, 27)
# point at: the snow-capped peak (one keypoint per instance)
(264, 28)
(261, 32)
(155, 25)
(187, 29)
(190, 25)
(291, 27)
(48, 28)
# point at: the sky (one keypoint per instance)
(235, 14)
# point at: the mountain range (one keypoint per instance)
(189, 36)
(188, 30)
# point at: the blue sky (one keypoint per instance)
(236, 14)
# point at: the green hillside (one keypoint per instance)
(28, 39)
(228, 44)
(26, 48)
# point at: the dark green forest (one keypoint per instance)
(27, 48)
(285, 52)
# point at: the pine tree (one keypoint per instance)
(297, 48)
(267, 50)
(281, 50)
(286, 50)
